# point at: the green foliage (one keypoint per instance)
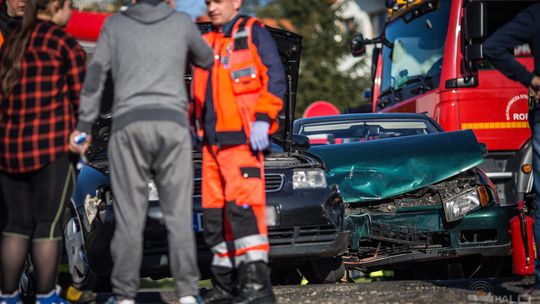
(250, 6)
(325, 44)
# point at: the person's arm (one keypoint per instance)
(200, 54)
(94, 82)
(273, 76)
(76, 69)
(499, 47)
(92, 90)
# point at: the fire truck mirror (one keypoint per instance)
(475, 21)
(358, 45)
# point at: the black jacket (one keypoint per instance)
(7, 23)
(499, 47)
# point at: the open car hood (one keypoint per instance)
(289, 46)
(380, 169)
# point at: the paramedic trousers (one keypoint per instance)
(136, 151)
(234, 206)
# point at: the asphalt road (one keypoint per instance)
(506, 290)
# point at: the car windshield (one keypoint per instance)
(414, 46)
(349, 131)
(100, 6)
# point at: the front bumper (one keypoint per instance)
(426, 255)
(328, 248)
(425, 236)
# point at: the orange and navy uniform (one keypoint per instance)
(247, 83)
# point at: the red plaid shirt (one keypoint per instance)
(38, 116)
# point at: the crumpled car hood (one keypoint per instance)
(380, 169)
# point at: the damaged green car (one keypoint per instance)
(413, 195)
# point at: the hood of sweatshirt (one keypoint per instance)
(146, 13)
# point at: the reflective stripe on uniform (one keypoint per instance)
(221, 256)
(251, 248)
(250, 241)
(222, 261)
(252, 256)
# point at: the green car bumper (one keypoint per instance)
(425, 235)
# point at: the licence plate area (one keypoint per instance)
(198, 222)
(271, 219)
(155, 213)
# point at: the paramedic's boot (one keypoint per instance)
(223, 281)
(255, 285)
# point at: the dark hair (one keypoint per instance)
(10, 72)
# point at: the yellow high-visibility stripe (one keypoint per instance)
(496, 125)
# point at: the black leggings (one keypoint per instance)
(35, 201)
(34, 204)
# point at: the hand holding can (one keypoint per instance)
(80, 138)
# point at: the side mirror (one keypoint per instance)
(300, 142)
(475, 20)
(474, 33)
(358, 45)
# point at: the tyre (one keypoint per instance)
(27, 286)
(324, 271)
(82, 276)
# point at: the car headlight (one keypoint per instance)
(456, 207)
(153, 194)
(307, 179)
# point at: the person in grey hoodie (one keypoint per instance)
(147, 47)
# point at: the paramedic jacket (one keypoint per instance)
(218, 102)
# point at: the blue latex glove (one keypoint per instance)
(259, 135)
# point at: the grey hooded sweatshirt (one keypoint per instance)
(145, 48)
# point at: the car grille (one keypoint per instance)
(302, 235)
(273, 183)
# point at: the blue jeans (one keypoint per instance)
(536, 171)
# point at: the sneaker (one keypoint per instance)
(114, 300)
(50, 298)
(11, 299)
(191, 300)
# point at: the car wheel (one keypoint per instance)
(82, 276)
(285, 275)
(323, 271)
(76, 254)
(26, 283)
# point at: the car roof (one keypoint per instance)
(364, 116)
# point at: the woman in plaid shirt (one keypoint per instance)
(42, 69)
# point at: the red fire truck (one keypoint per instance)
(429, 60)
(88, 18)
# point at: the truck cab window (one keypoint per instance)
(413, 55)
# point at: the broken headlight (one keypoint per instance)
(458, 206)
(307, 179)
